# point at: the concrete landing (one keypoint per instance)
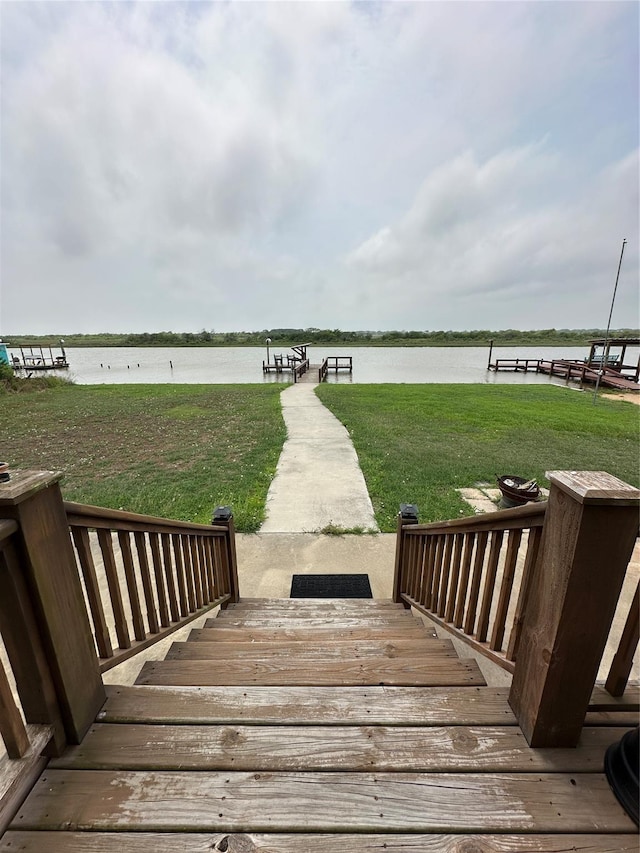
(318, 480)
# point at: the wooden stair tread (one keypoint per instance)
(396, 621)
(309, 705)
(329, 672)
(316, 634)
(176, 842)
(322, 802)
(318, 604)
(440, 749)
(304, 650)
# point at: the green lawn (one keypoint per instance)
(418, 443)
(167, 450)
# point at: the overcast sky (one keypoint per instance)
(232, 166)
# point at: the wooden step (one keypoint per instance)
(305, 650)
(230, 620)
(318, 604)
(423, 706)
(181, 842)
(214, 631)
(309, 705)
(232, 801)
(328, 672)
(440, 749)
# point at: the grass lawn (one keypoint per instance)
(418, 443)
(176, 451)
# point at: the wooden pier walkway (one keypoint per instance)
(569, 370)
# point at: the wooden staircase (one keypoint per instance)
(303, 725)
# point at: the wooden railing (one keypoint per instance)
(543, 580)
(300, 369)
(471, 575)
(145, 577)
(336, 363)
(75, 581)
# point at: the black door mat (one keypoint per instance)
(330, 586)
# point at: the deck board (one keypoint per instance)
(320, 748)
(214, 631)
(106, 842)
(304, 650)
(322, 802)
(328, 672)
(309, 705)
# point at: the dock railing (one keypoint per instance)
(535, 589)
(82, 589)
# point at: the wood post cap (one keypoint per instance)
(24, 484)
(595, 487)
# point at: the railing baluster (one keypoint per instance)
(444, 577)
(213, 562)
(182, 589)
(533, 547)
(429, 561)
(463, 588)
(132, 584)
(147, 586)
(204, 577)
(154, 541)
(208, 568)
(197, 575)
(455, 575)
(434, 586)
(506, 587)
(168, 573)
(474, 592)
(100, 629)
(623, 658)
(12, 728)
(489, 585)
(113, 582)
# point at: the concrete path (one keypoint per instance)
(318, 480)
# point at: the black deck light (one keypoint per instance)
(621, 766)
(409, 512)
(222, 514)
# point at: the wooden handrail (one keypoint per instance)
(173, 566)
(463, 574)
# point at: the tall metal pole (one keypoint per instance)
(606, 337)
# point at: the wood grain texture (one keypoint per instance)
(304, 650)
(438, 749)
(322, 802)
(175, 842)
(326, 673)
(214, 631)
(308, 705)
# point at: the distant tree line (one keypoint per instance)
(287, 337)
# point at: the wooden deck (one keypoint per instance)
(320, 726)
(570, 371)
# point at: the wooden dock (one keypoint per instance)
(569, 370)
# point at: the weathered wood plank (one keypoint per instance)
(17, 776)
(214, 630)
(318, 604)
(304, 650)
(439, 749)
(322, 802)
(229, 620)
(175, 842)
(437, 673)
(309, 705)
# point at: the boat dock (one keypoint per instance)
(603, 367)
(36, 357)
(301, 368)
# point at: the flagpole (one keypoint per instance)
(606, 337)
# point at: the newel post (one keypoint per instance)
(223, 517)
(47, 563)
(590, 528)
(408, 515)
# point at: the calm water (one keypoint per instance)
(244, 364)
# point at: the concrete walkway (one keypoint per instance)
(318, 480)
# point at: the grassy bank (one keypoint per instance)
(418, 443)
(174, 451)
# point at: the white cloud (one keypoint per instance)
(180, 164)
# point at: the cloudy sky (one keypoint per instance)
(241, 165)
